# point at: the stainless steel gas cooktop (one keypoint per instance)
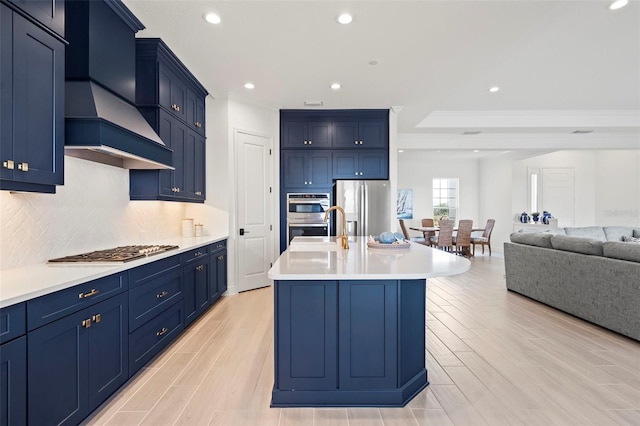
(115, 255)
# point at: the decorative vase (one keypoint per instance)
(524, 217)
(536, 218)
(545, 217)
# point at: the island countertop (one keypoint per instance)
(322, 258)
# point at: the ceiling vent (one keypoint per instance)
(582, 131)
(471, 132)
(313, 103)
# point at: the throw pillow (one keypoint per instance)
(628, 239)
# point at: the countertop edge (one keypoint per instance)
(16, 285)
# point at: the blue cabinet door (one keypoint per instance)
(108, 348)
(307, 134)
(345, 165)
(6, 94)
(361, 164)
(13, 382)
(319, 168)
(345, 134)
(50, 12)
(294, 173)
(368, 334)
(218, 275)
(58, 372)
(196, 289)
(306, 169)
(373, 133)
(194, 166)
(306, 340)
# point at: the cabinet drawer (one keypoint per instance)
(151, 338)
(149, 299)
(13, 322)
(53, 306)
(220, 245)
(142, 274)
(194, 254)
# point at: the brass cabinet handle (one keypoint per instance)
(161, 295)
(310, 142)
(86, 323)
(96, 318)
(198, 124)
(161, 332)
(23, 166)
(220, 246)
(175, 107)
(198, 253)
(355, 142)
(360, 143)
(220, 257)
(200, 267)
(93, 292)
(9, 164)
(198, 192)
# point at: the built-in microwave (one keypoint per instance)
(306, 230)
(307, 207)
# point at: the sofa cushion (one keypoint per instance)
(539, 239)
(615, 233)
(621, 250)
(593, 232)
(636, 233)
(577, 244)
(628, 239)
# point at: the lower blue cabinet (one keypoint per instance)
(13, 382)
(218, 271)
(196, 289)
(76, 362)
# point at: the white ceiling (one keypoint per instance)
(561, 65)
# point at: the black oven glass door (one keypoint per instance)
(307, 206)
(308, 230)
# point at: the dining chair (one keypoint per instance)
(485, 239)
(462, 239)
(418, 240)
(444, 239)
(428, 222)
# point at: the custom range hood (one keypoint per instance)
(101, 122)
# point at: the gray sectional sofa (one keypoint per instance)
(589, 272)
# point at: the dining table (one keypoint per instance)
(437, 228)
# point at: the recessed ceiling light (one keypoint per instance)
(335, 86)
(249, 86)
(476, 150)
(373, 62)
(345, 18)
(401, 150)
(212, 18)
(494, 89)
(618, 4)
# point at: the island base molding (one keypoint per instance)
(349, 342)
(351, 398)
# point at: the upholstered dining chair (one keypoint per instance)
(444, 239)
(485, 239)
(428, 222)
(462, 239)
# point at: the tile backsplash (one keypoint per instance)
(91, 211)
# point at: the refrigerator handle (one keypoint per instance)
(365, 208)
(361, 225)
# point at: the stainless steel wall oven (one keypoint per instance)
(305, 215)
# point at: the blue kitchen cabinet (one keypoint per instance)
(306, 169)
(306, 134)
(197, 296)
(306, 335)
(363, 134)
(367, 330)
(361, 164)
(75, 363)
(51, 13)
(31, 103)
(218, 270)
(13, 365)
(173, 102)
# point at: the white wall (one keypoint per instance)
(617, 178)
(417, 169)
(495, 187)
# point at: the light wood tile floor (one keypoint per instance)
(493, 357)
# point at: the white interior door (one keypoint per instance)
(558, 195)
(254, 209)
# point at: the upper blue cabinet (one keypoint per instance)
(32, 60)
(172, 101)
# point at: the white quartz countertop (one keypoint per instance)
(322, 258)
(24, 283)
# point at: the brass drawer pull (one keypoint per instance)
(161, 295)
(175, 107)
(198, 192)
(86, 323)
(23, 166)
(198, 124)
(198, 253)
(161, 332)
(9, 164)
(220, 257)
(93, 292)
(200, 267)
(96, 318)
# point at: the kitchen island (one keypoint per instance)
(350, 324)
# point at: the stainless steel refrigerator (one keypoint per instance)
(367, 206)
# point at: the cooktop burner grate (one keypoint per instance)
(118, 254)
